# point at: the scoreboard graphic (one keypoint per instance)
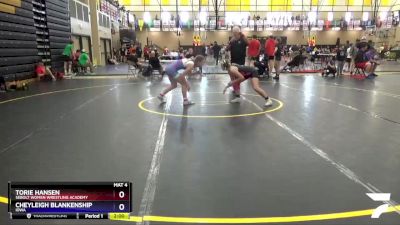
(68, 200)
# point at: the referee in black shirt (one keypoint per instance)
(237, 46)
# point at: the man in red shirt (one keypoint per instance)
(270, 46)
(253, 51)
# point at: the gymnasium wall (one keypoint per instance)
(32, 31)
(18, 48)
(171, 40)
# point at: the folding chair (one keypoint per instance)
(133, 70)
(358, 71)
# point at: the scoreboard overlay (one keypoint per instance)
(68, 200)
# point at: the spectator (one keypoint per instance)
(330, 68)
(216, 49)
(132, 50)
(154, 62)
(348, 58)
(67, 54)
(253, 51)
(75, 60)
(112, 60)
(340, 57)
(166, 51)
(122, 54)
(278, 58)
(146, 52)
(189, 53)
(353, 53)
(362, 62)
(3, 84)
(139, 51)
(84, 60)
(44, 73)
(133, 60)
(270, 46)
(237, 46)
(114, 53)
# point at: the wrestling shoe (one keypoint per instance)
(236, 100)
(268, 103)
(187, 103)
(161, 98)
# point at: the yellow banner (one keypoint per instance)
(278, 5)
(185, 2)
(232, 5)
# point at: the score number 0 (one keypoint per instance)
(121, 206)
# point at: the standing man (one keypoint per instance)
(253, 51)
(353, 53)
(270, 46)
(237, 46)
(67, 54)
(216, 49)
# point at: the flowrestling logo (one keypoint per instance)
(379, 197)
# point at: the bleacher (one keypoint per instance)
(32, 31)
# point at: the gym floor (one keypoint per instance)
(309, 159)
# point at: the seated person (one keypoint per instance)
(112, 60)
(3, 85)
(330, 68)
(84, 60)
(75, 60)
(43, 72)
(361, 61)
(154, 62)
(134, 61)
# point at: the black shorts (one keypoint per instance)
(248, 71)
(348, 60)
(67, 58)
(271, 57)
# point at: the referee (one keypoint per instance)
(237, 46)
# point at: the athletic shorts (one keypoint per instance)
(271, 57)
(248, 71)
(348, 60)
(361, 65)
(255, 58)
(67, 58)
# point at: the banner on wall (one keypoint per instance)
(165, 25)
(389, 22)
(156, 25)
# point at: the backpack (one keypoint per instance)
(147, 71)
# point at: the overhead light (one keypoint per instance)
(365, 16)
(330, 16)
(146, 17)
(184, 17)
(165, 16)
(347, 16)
